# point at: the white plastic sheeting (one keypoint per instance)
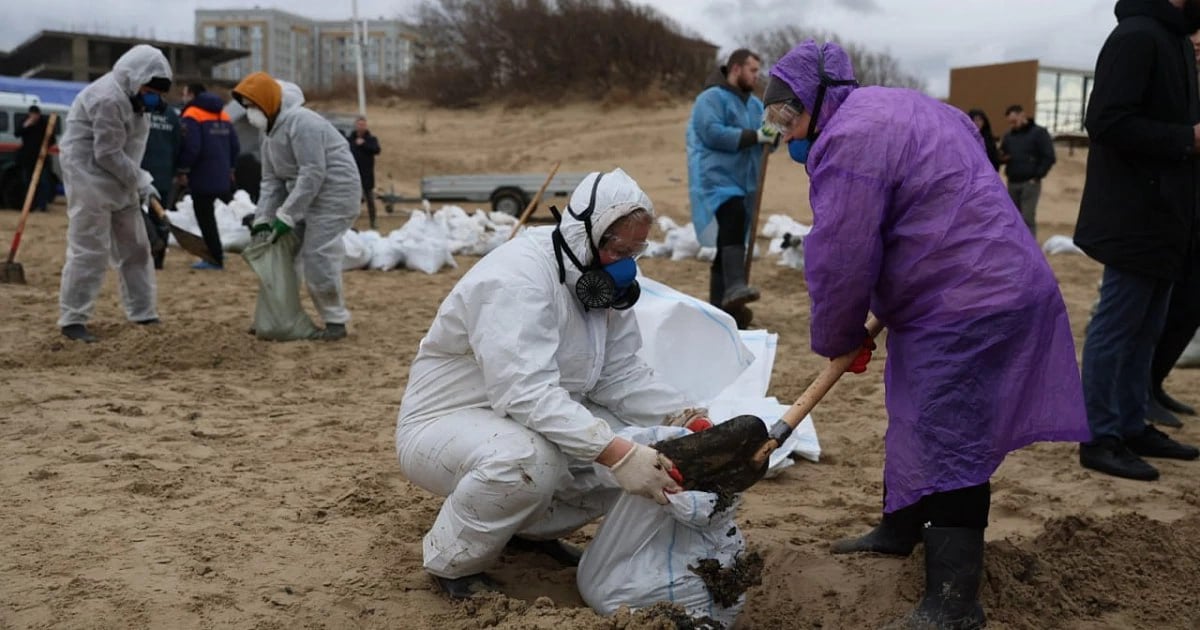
(729, 373)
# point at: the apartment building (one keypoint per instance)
(312, 53)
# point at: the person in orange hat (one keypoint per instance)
(310, 184)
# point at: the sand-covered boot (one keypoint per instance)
(896, 535)
(953, 571)
(466, 586)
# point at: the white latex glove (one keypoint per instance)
(767, 135)
(146, 187)
(643, 471)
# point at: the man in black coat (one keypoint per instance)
(365, 146)
(31, 132)
(1138, 218)
(1028, 153)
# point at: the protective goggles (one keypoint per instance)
(621, 248)
(779, 117)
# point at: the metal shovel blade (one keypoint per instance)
(192, 244)
(720, 459)
(13, 273)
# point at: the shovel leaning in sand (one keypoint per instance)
(13, 272)
(732, 456)
(189, 242)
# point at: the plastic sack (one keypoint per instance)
(643, 552)
(779, 224)
(358, 251)
(425, 243)
(683, 243)
(278, 315)
(1059, 244)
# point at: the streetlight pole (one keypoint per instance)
(359, 36)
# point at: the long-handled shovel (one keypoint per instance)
(13, 272)
(756, 212)
(534, 202)
(190, 242)
(732, 456)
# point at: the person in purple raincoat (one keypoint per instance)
(911, 223)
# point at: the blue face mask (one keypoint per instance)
(152, 102)
(623, 273)
(798, 149)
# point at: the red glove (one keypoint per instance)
(698, 424)
(859, 364)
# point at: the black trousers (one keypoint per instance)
(207, 218)
(965, 507)
(1183, 319)
(369, 197)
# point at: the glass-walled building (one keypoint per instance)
(1062, 96)
(1055, 97)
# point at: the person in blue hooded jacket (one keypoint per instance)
(210, 149)
(724, 156)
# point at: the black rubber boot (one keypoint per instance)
(733, 272)
(79, 332)
(896, 535)
(953, 571)
(466, 586)
(561, 552)
(716, 285)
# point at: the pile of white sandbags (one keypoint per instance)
(680, 243)
(234, 235)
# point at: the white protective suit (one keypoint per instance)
(100, 153)
(501, 413)
(309, 178)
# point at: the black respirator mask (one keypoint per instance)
(599, 286)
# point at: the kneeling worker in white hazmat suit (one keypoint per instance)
(515, 391)
(100, 153)
(310, 184)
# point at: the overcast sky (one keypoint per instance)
(928, 36)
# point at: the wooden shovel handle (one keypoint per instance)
(755, 212)
(534, 202)
(157, 208)
(825, 381)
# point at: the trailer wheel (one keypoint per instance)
(509, 201)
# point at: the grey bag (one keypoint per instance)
(278, 315)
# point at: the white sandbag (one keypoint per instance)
(683, 243)
(670, 323)
(779, 224)
(386, 253)
(425, 243)
(358, 251)
(1059, 244)
(707, 254)
(642, 553)
(791, 251)
(655, 249)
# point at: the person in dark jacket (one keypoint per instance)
(162, 149)
(1028, 153)
(365, 146)
(985, 131)
(210, 149)
(1138, 218)
(31, 132)
(1183, 319)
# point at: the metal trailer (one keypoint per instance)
(507, 192)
